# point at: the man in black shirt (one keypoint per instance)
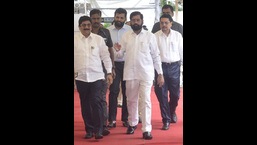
(168, 9)
(97, 28)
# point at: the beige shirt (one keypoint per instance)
(171, 46)
(116, 36)
(88, 56)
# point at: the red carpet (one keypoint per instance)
(173, 136)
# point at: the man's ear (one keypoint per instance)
(172, 14)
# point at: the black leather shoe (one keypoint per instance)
(98, 135)
(131, 129)
(89, 135)
(147, 135)
(112, 124)
(166, 126)
(105, 131)
(125, 123)
(173, 118)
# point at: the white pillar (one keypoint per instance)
(157, 10)
(176, 9)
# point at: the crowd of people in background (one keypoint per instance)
(128, 60)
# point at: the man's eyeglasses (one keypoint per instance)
(84, 25)
(166, 23)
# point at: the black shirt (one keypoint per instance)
(105, 33)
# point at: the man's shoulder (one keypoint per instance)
(110, 27)
(126, 26)
(104, 32)
(177, 23)
(149, 33)
(95, 35)
(156, 27)
(157, 23)
(104, 29)
(158, 32)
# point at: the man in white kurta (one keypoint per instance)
(142, 56)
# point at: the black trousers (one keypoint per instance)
(91, 105)
(104, 103)
(171, 74)
(114, 93)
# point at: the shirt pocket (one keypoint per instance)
(173, 45)
(94, 51)
(144, 47)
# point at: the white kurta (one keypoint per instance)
(142, 56)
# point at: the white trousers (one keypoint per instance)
(134, 89)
